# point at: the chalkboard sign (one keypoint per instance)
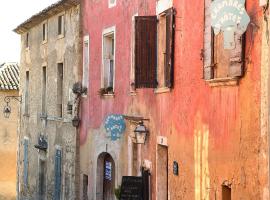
(131, 188)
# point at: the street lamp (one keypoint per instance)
(141, 133)
(7, 111)
(7, 108)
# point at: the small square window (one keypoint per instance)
(112, 3)
(61, 25)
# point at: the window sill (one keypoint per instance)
(26, 115)
(44, 42)
(60, 37)
(133, 93)
(43, 116)
(107, 96)
(162, 90)
(230, 81)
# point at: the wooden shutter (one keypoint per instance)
(25, 162)
(57, 178)
(236, 58)
(208, 43)
(145, 51)
(169, 48)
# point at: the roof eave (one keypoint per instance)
(46, 13)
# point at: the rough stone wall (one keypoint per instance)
(59, 132)
(8, 146)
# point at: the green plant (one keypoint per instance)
(101, 92)
(117, 191)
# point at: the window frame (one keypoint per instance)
(60, 91)
(62, 33)
(44, 32)
(44, 90)
(105, 33)
(26, 93)
(85, 75)
(27, 41)
(235, 71)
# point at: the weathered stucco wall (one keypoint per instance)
(214, 133)
(8, 147)
(58, 131)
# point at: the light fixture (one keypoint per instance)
(7, 111)
(141, 133)
(7, 108)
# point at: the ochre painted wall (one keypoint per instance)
(8, 147)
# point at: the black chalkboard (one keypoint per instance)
(131, 188)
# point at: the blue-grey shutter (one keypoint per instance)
(25, 163)
(57, 178)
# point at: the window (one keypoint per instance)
(108, 61)
(44, 89)
(154, 48)
(112, 3)
(44, 32)
(85, 187)
(60, 89)
(85, 62)
(220, 63)
(27, 40)
(61, 25)
(26, 94)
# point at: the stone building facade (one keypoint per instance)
(9, 86)
(50, 59)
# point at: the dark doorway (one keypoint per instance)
(105, 177)
(146, 184)
(226, 193)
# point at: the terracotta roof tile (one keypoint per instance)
(9, 76)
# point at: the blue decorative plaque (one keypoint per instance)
(115, 125)
(229, 17)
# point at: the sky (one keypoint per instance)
(12, 14)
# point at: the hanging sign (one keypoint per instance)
(230, 18)
(115, 126)
(108, 170)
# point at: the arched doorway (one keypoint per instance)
(105, 177)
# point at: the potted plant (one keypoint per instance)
(117, 191)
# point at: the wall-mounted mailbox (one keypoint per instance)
(175, 168)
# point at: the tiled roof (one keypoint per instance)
(53, 9)
(9, 76)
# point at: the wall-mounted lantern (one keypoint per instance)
(7, 108)
(42, 144)
(141, 133)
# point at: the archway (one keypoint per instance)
(105, 177)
